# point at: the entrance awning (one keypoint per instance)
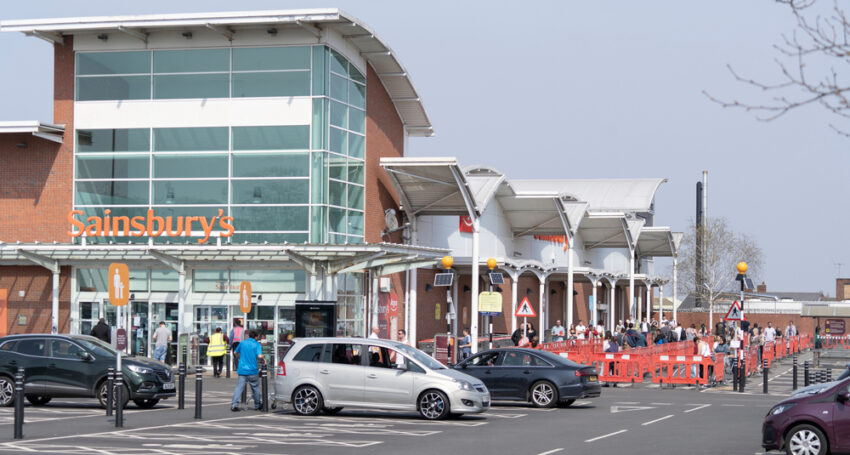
(386, 258)
(656, 241)
(609, 230)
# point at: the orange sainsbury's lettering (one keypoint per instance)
(150, 225)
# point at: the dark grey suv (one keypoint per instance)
(66, 366)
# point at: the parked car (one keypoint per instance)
(326, 374)
(812, 423)
(67, 366)
(539, 377)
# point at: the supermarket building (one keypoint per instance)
(208, 149)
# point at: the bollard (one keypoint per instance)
(264, 386)
(119, 399)
(19, 403)
(806, 381)
(742, 370)
(735, 374)
(181, 386)
(185, 350)
(828, 374)
(110, 390)
(199, 386)
(227, 362)
(794, 385)
(765, 372)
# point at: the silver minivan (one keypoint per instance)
(326, 374)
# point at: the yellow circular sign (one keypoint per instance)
(447, 262)
(742, 267)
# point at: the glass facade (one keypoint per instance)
(280, 183)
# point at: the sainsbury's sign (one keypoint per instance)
(150, 225)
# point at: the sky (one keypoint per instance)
(569, 89)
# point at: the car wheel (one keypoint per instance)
(433, 405)
(566, 403)
(543, 394)
(7, 391)
(38, 400)
(332, 411)
(146, 403)
(805, 440)
(307, 401)
(101, 395)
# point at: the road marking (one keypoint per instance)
(662, 404)
(618, 409)
(737, 405)
(606, 436)
(698, 408)
(551, 451)
(657, 420)
(627, 402)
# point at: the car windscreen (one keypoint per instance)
(555, 358)
(420, 357)
(844, 375)
(96, 346)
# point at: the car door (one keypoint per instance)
(343, 374)
(485, 366)
(385, 384)
(841, 423)
(70, 375)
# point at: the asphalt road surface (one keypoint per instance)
(631, 420)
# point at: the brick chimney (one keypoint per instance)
(762, 288)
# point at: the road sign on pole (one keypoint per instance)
(119, 284)
(734, 313)
(245, 296)
(525, 310)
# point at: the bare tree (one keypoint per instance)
(811, 59)
(724, 248)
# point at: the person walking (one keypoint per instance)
(101, 331)
(466, 345)
(375, 331)
(250, 354)
(402, 337)
(235, 337)
(216, 350)
(161, 338)
(581, 330)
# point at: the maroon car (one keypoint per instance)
(816, 422)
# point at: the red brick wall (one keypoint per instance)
(839, 288)
(36, 304)
(384, 137)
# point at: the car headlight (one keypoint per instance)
(464, 385)
(779, 409)
(139, 370)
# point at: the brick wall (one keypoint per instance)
(840, 283)
(36, 304)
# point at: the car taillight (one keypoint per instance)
(281, 368)
(585, 373)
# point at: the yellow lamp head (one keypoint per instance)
(742, 267)
(491, 263)
(447, 262)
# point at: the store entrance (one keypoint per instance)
(167, 312)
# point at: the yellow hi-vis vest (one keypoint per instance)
(217, 348)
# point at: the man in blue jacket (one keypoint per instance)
(250, 354)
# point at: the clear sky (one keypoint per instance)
(568, 89)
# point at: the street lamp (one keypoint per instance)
(745, 282)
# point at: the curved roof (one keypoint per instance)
(628, 195)
(387, 66)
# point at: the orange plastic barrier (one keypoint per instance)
(688, 369)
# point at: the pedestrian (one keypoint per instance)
(466, 345)
(703, 332)
(679, 332)
(516, 337)
(531, 332)
(101, 331)
(235, 337)
(250, 354)
(644, 327)
(375, 331)
(161, 338)
(216, 350)
(558, 331)
(581, 330)
(402, 337)
(619, 326)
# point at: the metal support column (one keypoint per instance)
(514, 303)
(473, 332)
(631, 282)
(570, 287)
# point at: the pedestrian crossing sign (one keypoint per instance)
(525, 310)
(734, 313)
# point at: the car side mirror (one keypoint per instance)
(463, 365)
(85, 356)
(844, 396)
(402, 366)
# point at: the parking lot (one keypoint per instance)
(636, 420)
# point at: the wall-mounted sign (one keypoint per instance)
(245, 297)
(150, 225)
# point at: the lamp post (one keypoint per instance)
(447, 263)
(742, 277)
(491, 264)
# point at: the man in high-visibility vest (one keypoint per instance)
(216, 350)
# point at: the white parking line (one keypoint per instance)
(662, 404)
(551, 451)
(657, 420)
(698, 408)
(605, 436)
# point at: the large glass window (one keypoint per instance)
(175, 86)
(190, 139)
(271, 137)
(272, 218)
(109, 167)
(191, 61)
(111, 193)
(271, 84)
(190, 192)
(135, 62)
(271, 165)
(271, 191)
(120, 140)
(113, 88)
(278, 281)
(189, 166)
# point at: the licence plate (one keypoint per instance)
(593, 378)
(168, 386)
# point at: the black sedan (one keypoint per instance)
(530, 375)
